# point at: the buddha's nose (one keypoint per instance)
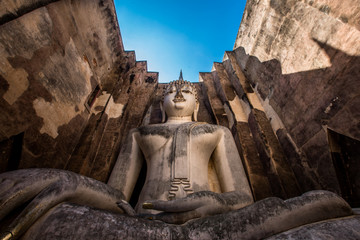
(179, 95)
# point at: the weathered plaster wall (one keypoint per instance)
(114, 115)
(53, 55)
(302, 59)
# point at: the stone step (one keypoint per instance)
(215, 102)
(240, 128)
(235, 60)
(151, 77)
(281, 176)
(131, 57)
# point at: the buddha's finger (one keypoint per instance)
(177, 218)
(177, 205)
(191, 202)
(126, 207)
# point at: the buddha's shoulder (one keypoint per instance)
(155, 129)
(201, 128)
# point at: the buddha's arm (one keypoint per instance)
(230, 170)
(127, 167)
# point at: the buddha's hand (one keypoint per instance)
(196, 205)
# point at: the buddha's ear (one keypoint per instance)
(163, 114)
(196, 111)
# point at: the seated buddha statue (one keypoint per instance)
(177, 154)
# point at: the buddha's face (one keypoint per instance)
(179, 100)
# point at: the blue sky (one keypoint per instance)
(173, 35)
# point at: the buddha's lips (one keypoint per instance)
(179, 100)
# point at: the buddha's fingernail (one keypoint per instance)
(148, 205)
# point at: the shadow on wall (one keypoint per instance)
(308, 104)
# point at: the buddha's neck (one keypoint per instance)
(177, 120)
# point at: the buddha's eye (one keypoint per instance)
(171, 90)
(186, 91)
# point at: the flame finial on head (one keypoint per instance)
(181, 76)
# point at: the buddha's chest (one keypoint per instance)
(176, 142)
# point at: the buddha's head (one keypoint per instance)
(180, 100)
